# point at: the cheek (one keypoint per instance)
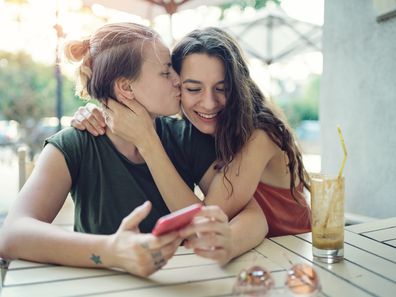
(223, 99)
(186, 109)
(147, 99)
(186, 100)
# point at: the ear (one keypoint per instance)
(123, 89)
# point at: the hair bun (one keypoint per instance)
(75, 50)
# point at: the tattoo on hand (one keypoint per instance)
(96, 259)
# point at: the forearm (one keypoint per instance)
(248, 229)
(169, 182)
(30, 239)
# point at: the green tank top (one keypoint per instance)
(106, 186)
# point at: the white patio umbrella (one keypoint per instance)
(149, 9)
(273, 36)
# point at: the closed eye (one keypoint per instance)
(193, 90)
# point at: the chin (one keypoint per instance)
(205, 129)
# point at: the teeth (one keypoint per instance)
(207, 116)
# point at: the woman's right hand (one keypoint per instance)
(140, 254)
(209, 235)
(90, 118)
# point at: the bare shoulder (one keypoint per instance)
(262, 140)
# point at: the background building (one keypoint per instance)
(358, 91)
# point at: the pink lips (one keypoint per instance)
(207, 119)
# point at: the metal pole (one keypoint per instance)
(172, 38)
(58, 73)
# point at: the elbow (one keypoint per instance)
(265, 228)
(262, 229)
(7, 247)
(4, 247)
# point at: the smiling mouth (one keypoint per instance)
(207, 116)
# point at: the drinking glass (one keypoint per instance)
(327, 208)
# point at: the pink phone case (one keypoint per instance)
(176, 220)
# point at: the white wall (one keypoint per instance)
(358, 91)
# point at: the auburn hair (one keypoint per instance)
(113, 51)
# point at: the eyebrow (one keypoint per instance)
(199, 82)
(191, 81)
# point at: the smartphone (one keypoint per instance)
(176, 220)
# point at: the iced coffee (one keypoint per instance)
(327, 206)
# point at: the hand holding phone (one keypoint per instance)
(176, 220)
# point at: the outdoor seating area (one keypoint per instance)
(368, 270)
(197, 148)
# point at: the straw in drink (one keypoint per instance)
(327, 205)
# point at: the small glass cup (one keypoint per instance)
(327, 208)
(255, 281)
(301, 281)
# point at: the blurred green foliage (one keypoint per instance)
(28, 89)
(257, 4)
(305, 104)
(28, 93)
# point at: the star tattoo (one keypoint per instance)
(96, 259)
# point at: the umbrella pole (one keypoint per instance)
(172, 39)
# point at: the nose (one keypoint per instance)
(175, 78)
(209, 100)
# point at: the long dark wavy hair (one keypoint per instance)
(246, 107)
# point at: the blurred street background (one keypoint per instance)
(281, 38)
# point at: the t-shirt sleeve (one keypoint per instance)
(70, 143)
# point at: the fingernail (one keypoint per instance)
(143, 205)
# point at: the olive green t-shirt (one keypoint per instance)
(106, 186)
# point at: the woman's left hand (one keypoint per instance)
(210, 235)
(130, 120)
(89, 117)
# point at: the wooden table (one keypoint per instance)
(369, 269)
